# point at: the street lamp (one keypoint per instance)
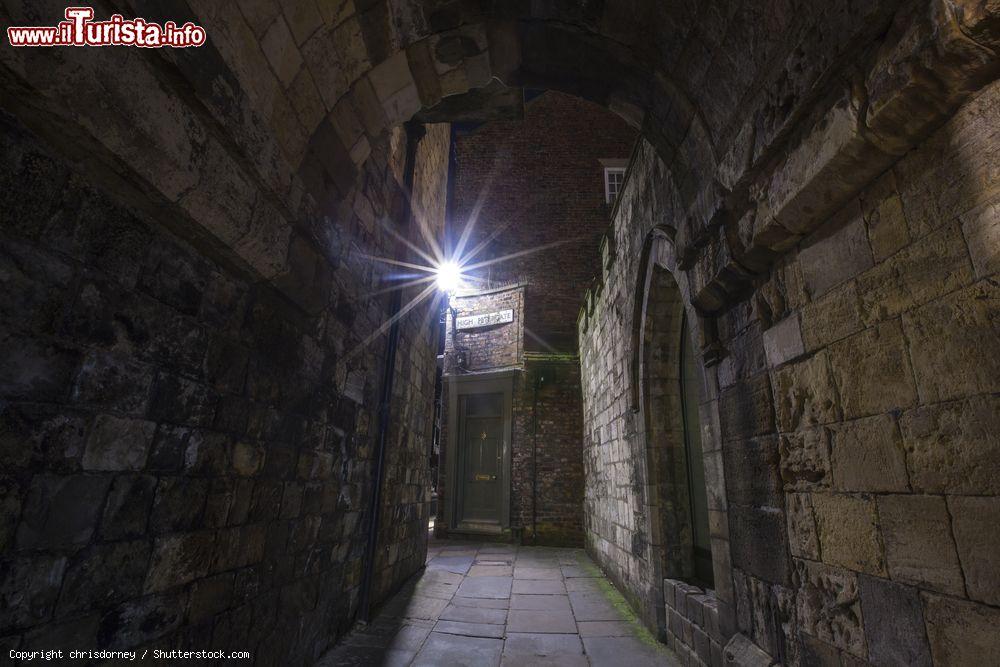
(449, 277)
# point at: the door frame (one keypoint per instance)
(501, 382)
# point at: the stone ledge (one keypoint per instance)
(692, 623)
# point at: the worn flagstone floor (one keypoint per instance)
(500, 604)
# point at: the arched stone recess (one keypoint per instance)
(663, 415)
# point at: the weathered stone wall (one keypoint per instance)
(407, 485)
(692, 623)
(187, 454)
(852, 397)
(268, 151)
(615, 507)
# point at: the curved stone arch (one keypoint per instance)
(550, 54)
(662, 307)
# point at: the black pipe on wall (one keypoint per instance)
(539, 379)
(414, 133)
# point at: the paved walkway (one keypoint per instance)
(499, 604)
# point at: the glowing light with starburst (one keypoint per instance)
(449, 277)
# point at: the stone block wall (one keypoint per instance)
(187, 453)
(407, 485)
(692, 624)
(851, 392)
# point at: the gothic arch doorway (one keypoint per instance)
(669, 382)
(668, 399)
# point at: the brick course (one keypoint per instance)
(535, 182)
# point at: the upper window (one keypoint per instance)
(614, 177)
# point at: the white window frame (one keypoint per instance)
(608, 173)
(613, 167)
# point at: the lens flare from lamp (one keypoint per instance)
(449, 277)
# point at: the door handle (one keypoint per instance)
(492, 477)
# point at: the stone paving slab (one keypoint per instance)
(461, 611)
(491, 571)
(416, 606)
(573, 571)
(539, 587)
(494, 559)
(619, 651)
(474, 615)
(593, 607)
(583, 585)
(364, 656)
(498, 548)
(392, 634)
(434, 589)
(457, 564)
(470, 629)
(551, 573)
(542, 645)
(482, 603)
(575, 557)
(537, 560)
(485, 587)
(527, 620)
(540, 602)
(547, 661)
(441, 650)
(605, 628)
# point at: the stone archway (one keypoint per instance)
(302, 102)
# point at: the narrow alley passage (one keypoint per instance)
(500, 604)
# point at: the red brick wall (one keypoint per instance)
(486, 348)
(547, 436)
(543, 176)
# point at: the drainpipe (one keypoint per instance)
(414, 132)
